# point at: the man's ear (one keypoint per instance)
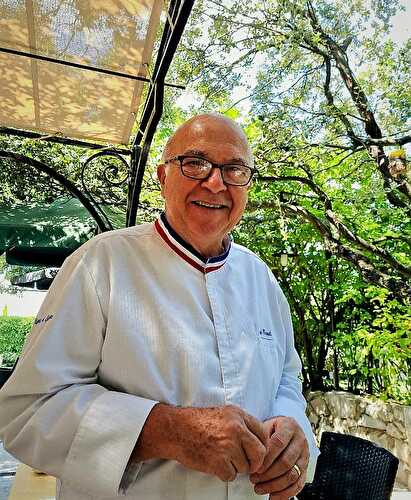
(161, 176)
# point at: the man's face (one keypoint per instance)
(217, 140)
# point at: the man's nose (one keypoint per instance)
(215, 181)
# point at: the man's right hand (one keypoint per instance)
(221, 441)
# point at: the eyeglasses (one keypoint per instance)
(196, 167)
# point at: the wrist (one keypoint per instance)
(157, 439)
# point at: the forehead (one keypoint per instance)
(219, 139)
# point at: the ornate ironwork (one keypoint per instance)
(112, 168)
(108, 193)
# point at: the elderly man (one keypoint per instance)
(162, 364)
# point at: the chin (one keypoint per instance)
(209, 230)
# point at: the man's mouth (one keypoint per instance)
(205, 204)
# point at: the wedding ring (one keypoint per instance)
(297, 469)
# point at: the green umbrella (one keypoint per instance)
(40, 234)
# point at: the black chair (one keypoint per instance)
(351, 468)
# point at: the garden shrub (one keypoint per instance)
(13, 332)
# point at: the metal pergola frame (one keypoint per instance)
(177, 16)
(83, 66)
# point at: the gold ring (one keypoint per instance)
(297, 469)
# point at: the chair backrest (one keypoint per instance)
(351, 468)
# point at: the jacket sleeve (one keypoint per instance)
(55, 416)
(289, 400)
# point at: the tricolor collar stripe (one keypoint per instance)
(210, 269)
(161, 232)
(186, 251)
(178, 240)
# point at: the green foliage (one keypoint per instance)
(13, 332)
(271, 56)
(374, 344)
(20, 182)
(327, 206)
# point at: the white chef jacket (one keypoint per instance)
(134, 317)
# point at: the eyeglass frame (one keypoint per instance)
(220, 166)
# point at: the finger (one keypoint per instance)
(284, 431)
(293, 454)
(283, 487)
(256, 427)
(278, 483)
(291, 491)
(303, 460)
(273, 471)
(254, 443)
(255, 451)
(226, 472)
(240, 461)
(271, 459)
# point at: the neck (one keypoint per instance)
(206, 249)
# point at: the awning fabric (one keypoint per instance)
(45, 235)
(116, 35)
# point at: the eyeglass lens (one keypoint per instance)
(199, 168)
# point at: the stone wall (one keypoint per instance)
(387, 424)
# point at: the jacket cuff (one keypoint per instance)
(97, 462)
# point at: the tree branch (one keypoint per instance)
(365, 245)
(340, 227)
(365, 266)
(389, 141)
(360, 100)
(398, 287)
(330, 100)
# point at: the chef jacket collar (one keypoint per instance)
(186, 251)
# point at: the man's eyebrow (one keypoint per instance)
(197, 152)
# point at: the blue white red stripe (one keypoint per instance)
(186, 251)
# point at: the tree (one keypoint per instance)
(307, 52)
(330, 96)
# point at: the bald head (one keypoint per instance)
(215, 126)
(204, 210)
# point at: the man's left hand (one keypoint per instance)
(287, 447)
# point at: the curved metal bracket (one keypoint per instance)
(112, 168)
(109, 171)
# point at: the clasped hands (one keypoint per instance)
(224, 441)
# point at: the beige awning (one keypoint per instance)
(114, 35)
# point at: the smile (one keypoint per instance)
(208, 205)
